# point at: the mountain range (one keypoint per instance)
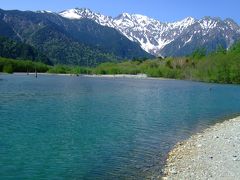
(83, 37)
(167, 39)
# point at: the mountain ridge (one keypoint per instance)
(155, 37)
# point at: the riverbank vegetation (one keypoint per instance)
(11, 65)
(221, 66)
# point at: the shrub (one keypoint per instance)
(7, 68)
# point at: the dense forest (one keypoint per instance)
(221, 66)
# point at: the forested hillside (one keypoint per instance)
(21, 51)
(72, 42)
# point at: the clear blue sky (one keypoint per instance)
(163, 10)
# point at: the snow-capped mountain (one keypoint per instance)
(208, 33)
(151, 34)
(166, 39)
(87, 13)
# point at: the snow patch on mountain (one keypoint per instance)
(189, 40)
(44, 11)
(183, 23)
(71, 14)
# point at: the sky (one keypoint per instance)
(163, 10)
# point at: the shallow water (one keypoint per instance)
(60, 127)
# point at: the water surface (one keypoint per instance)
(60, 127)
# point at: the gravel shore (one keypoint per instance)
(212, 154)
(132, 76)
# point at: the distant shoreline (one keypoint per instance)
(133, 76)
(213, 153)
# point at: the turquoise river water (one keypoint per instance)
(66, 127)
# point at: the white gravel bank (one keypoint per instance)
(212, 154)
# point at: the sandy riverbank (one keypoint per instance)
(212, 154)
(137, 76)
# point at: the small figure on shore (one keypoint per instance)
(36, 73)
